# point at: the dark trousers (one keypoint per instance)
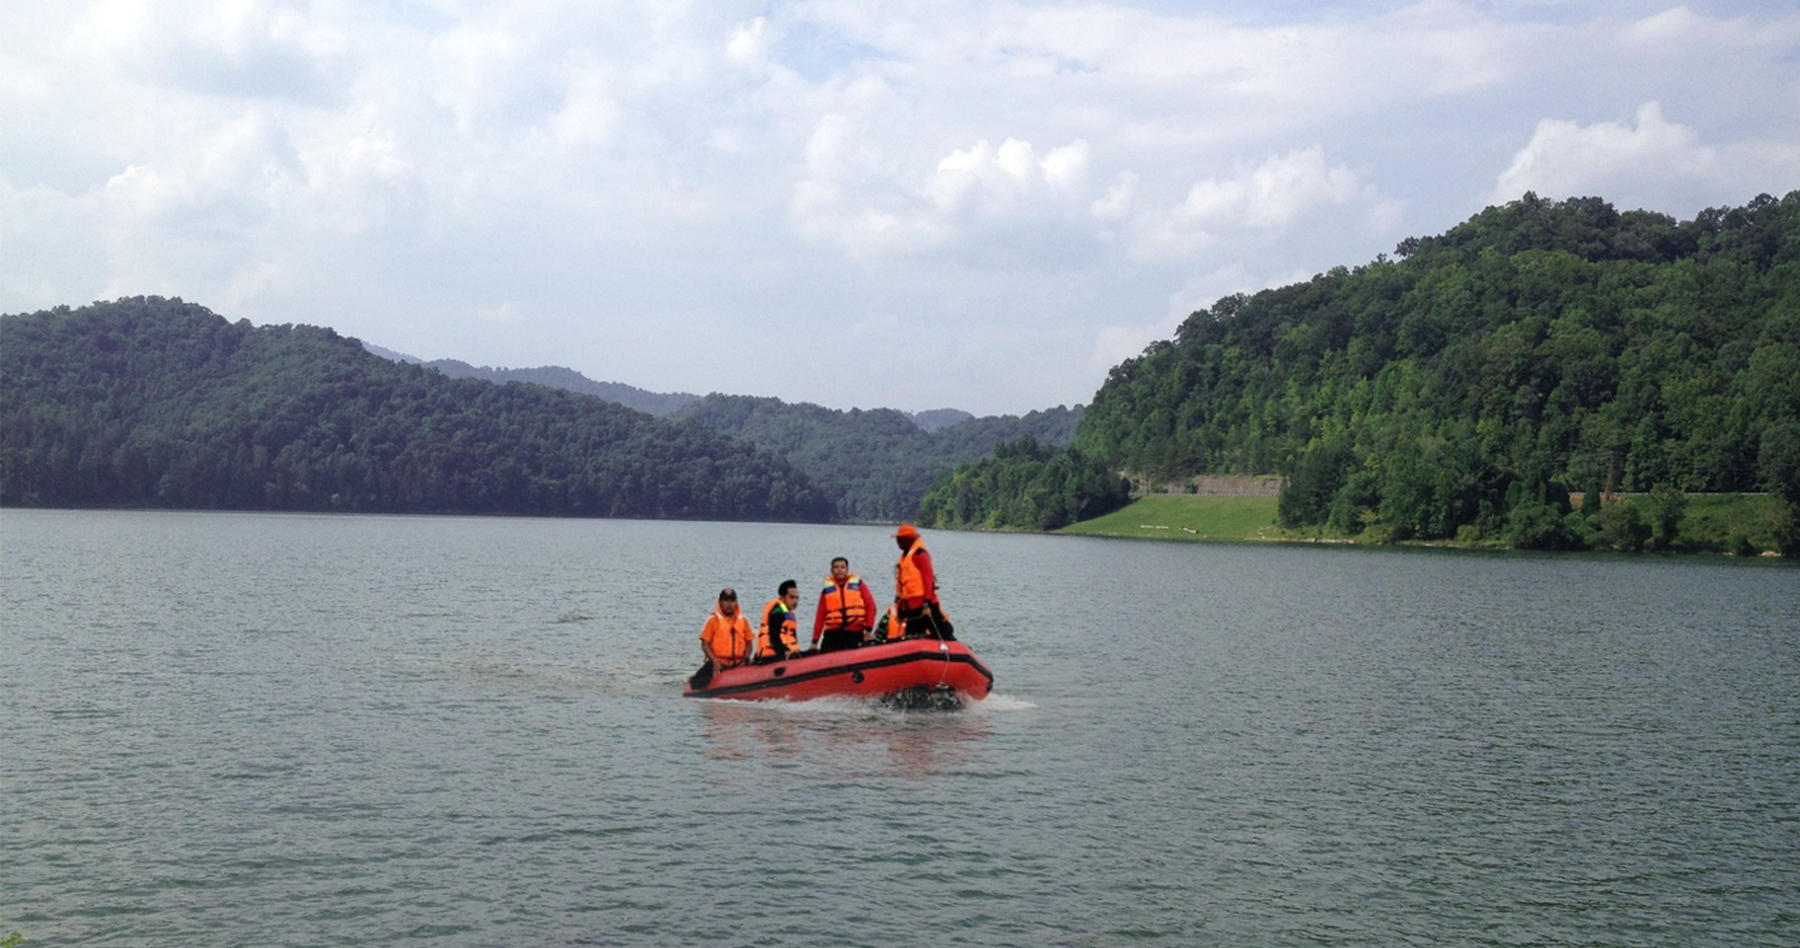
(928, 620)
(835, 639)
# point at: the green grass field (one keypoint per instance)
(1713, 523)
(1716, 522)
(1186, 517)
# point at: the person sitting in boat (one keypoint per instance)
(889, 628)
(777, 639)
(725, 639)
(846, 608)
(915, 589)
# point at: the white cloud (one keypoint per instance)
(508, 311)
(1046, 175)
(1117, 202)
(869, 204)
(1565, 157)
(1272, 194)
(589, 114)
(1259, 202)
(1626, 163)
(998, 181)
(749, 46)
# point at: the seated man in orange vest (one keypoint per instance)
(915, 589)
(846, 609)
(777, 639)
(725, 639)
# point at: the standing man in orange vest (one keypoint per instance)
(915, 588)
(725, 639)
(777, 639)
(846, 609)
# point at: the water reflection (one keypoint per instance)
(847, 738)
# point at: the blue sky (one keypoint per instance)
(913, 205)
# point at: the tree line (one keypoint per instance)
(875, 464)
(1466, 387)
(161, 403)
(1025, 486)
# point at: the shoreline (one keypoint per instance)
(1714, 525)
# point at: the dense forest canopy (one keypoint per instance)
(1025, 485)
(941, 418)
(876, 464)
(1464, 388)
(157, 402)
(556, 376)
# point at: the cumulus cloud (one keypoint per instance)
(1629, 163)
(749, 45)
(998, 181)
(249, 46)
(1261, 201)
(867, 203)
(1051, 175)
(245, 171)
(1565, 157)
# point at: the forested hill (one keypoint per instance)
(1465, 386)
(556, 376)
(156, 402)
(876, 464)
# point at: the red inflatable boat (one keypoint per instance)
(914, 671)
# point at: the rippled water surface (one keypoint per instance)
(225, 729)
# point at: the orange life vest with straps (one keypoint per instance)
(785, 626)
(729, 639)
(909, 581)
(844, 607)
(892, 626)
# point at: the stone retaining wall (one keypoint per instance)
(1222, 485)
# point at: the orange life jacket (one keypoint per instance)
(787, 628)
(909, 582)
(896, 629)
(844, 607)
(729, 639)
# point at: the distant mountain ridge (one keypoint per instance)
(655, 403)
(876, 464)
(940, 418)
(556, 376)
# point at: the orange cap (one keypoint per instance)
(907, 530)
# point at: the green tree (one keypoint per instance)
(1662, 512)
(1539, 344)
(1024, 486)
(160, 403)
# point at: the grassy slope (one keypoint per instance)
(1710, 524)
(1209, 518)
(1713, 521)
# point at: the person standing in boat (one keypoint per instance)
(778, 639)
(725, 639)
(915, 588)
(846, 609)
